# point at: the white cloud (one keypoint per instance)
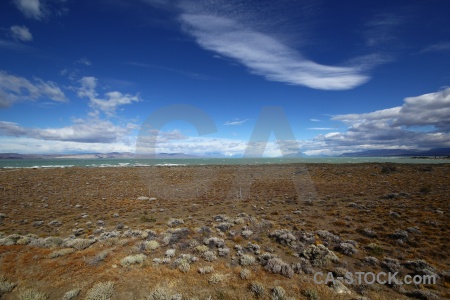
(235, 122)
(315, 120)
(110, 102)
(395, 127)
(21, 33)
(265, 55)
(37, 146)
(207, 146)
(15, 89)
(92, 130)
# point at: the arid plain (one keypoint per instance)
(223, 232)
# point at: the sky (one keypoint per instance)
(224, 77)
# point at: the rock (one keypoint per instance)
(38, 223)
(55, 223)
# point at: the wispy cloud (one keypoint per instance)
(315, 120)
(83, 61)
(235, 122)
(16, 46)
(322, 128)
(30, 8)
(265, 55)
(111, 100)
(40, 9)
(21, 33)
(189, 74)
(438, 47)
(16, 89)
(381, 29)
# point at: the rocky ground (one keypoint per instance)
(223, 232)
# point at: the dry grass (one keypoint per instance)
(341, 204)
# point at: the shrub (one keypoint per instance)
(375, 249)
(370, 260)
(159, 294)
(310, 294)
(388, 168)
(214, 242)
(278, 293)
(151, 245)
(132, 259)
(101, 291)
(72, 294)
(61, 252)
(247, 260)
(201, 249)
(193, 243)
(391, 264)
(284, 237)
(421, 267)
(31, 294)
(277, 266)
(223, 251)
(170, 253)
(184, 267)
(95, 260)
(216, 278)
(206, 270)
(209, 256)
(258, 289)
(303, 266)
(247, 233)
(320, 256)
(5, 286)
(423, 294)
(346, 248)
(245, 274)
(78, 243)
(340, 271)
(174, 222)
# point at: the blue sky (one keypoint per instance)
(84, 76)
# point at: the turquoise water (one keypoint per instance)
(64, 163)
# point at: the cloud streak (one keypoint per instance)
(235, 122)
(438, 47)
(265, 55)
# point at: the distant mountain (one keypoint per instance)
(398, 152)
(294, 155)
